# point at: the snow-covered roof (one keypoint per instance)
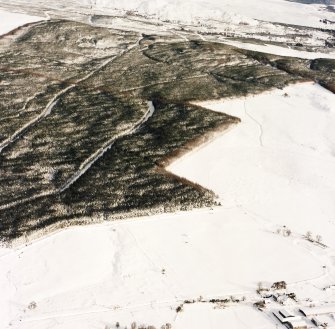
(292, 319)
(298, 324)
(286, 313)
(283, 319)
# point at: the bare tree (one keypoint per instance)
(318, 238)
(288, 232)
(259, 287)
(32, 306)
(166, 326)
(308, 235)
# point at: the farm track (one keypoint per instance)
(54, 175)
(87, 164)
(47, 110)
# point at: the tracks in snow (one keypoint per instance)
(87, 164)
(261, 131)
(52, 103)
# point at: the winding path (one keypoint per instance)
(87, 164)
(52, 103)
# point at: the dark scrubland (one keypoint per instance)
(110, 76)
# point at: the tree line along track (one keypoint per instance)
(87, 164)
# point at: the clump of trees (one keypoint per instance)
(309, 237)
(261, 288)
(285, 231)
(32, 305)
(260, 305)
(141, 326)
(279, 285)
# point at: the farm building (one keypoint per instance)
(283, 319)
(288, 319)
(286, 313)
(280, 298)
(296, 324)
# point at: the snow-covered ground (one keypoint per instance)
(191, 11)
(282, 156)
(249, 19)
(275, 168)
(237, 10)
(10, 21)
(278, 50)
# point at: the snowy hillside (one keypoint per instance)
(166, 164)
(226, 10)
(10, 21)
(276, 168)
(193, 11)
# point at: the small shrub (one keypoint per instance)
(318, 238)
(260, 288)
(287, 232)
(179, 308)
(189, 301)
(308, 236)
(279, 285)
(260, 304)
(292, 295)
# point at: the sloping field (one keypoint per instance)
(268, 171)
(286, 155)
(79, 143)
(304, 13)
(10, 21)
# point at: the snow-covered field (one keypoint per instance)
(275, 168)
(10, 21)
(188, 11)
(191, 11)
(280, 157)
(278, 50)
(237, 18)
